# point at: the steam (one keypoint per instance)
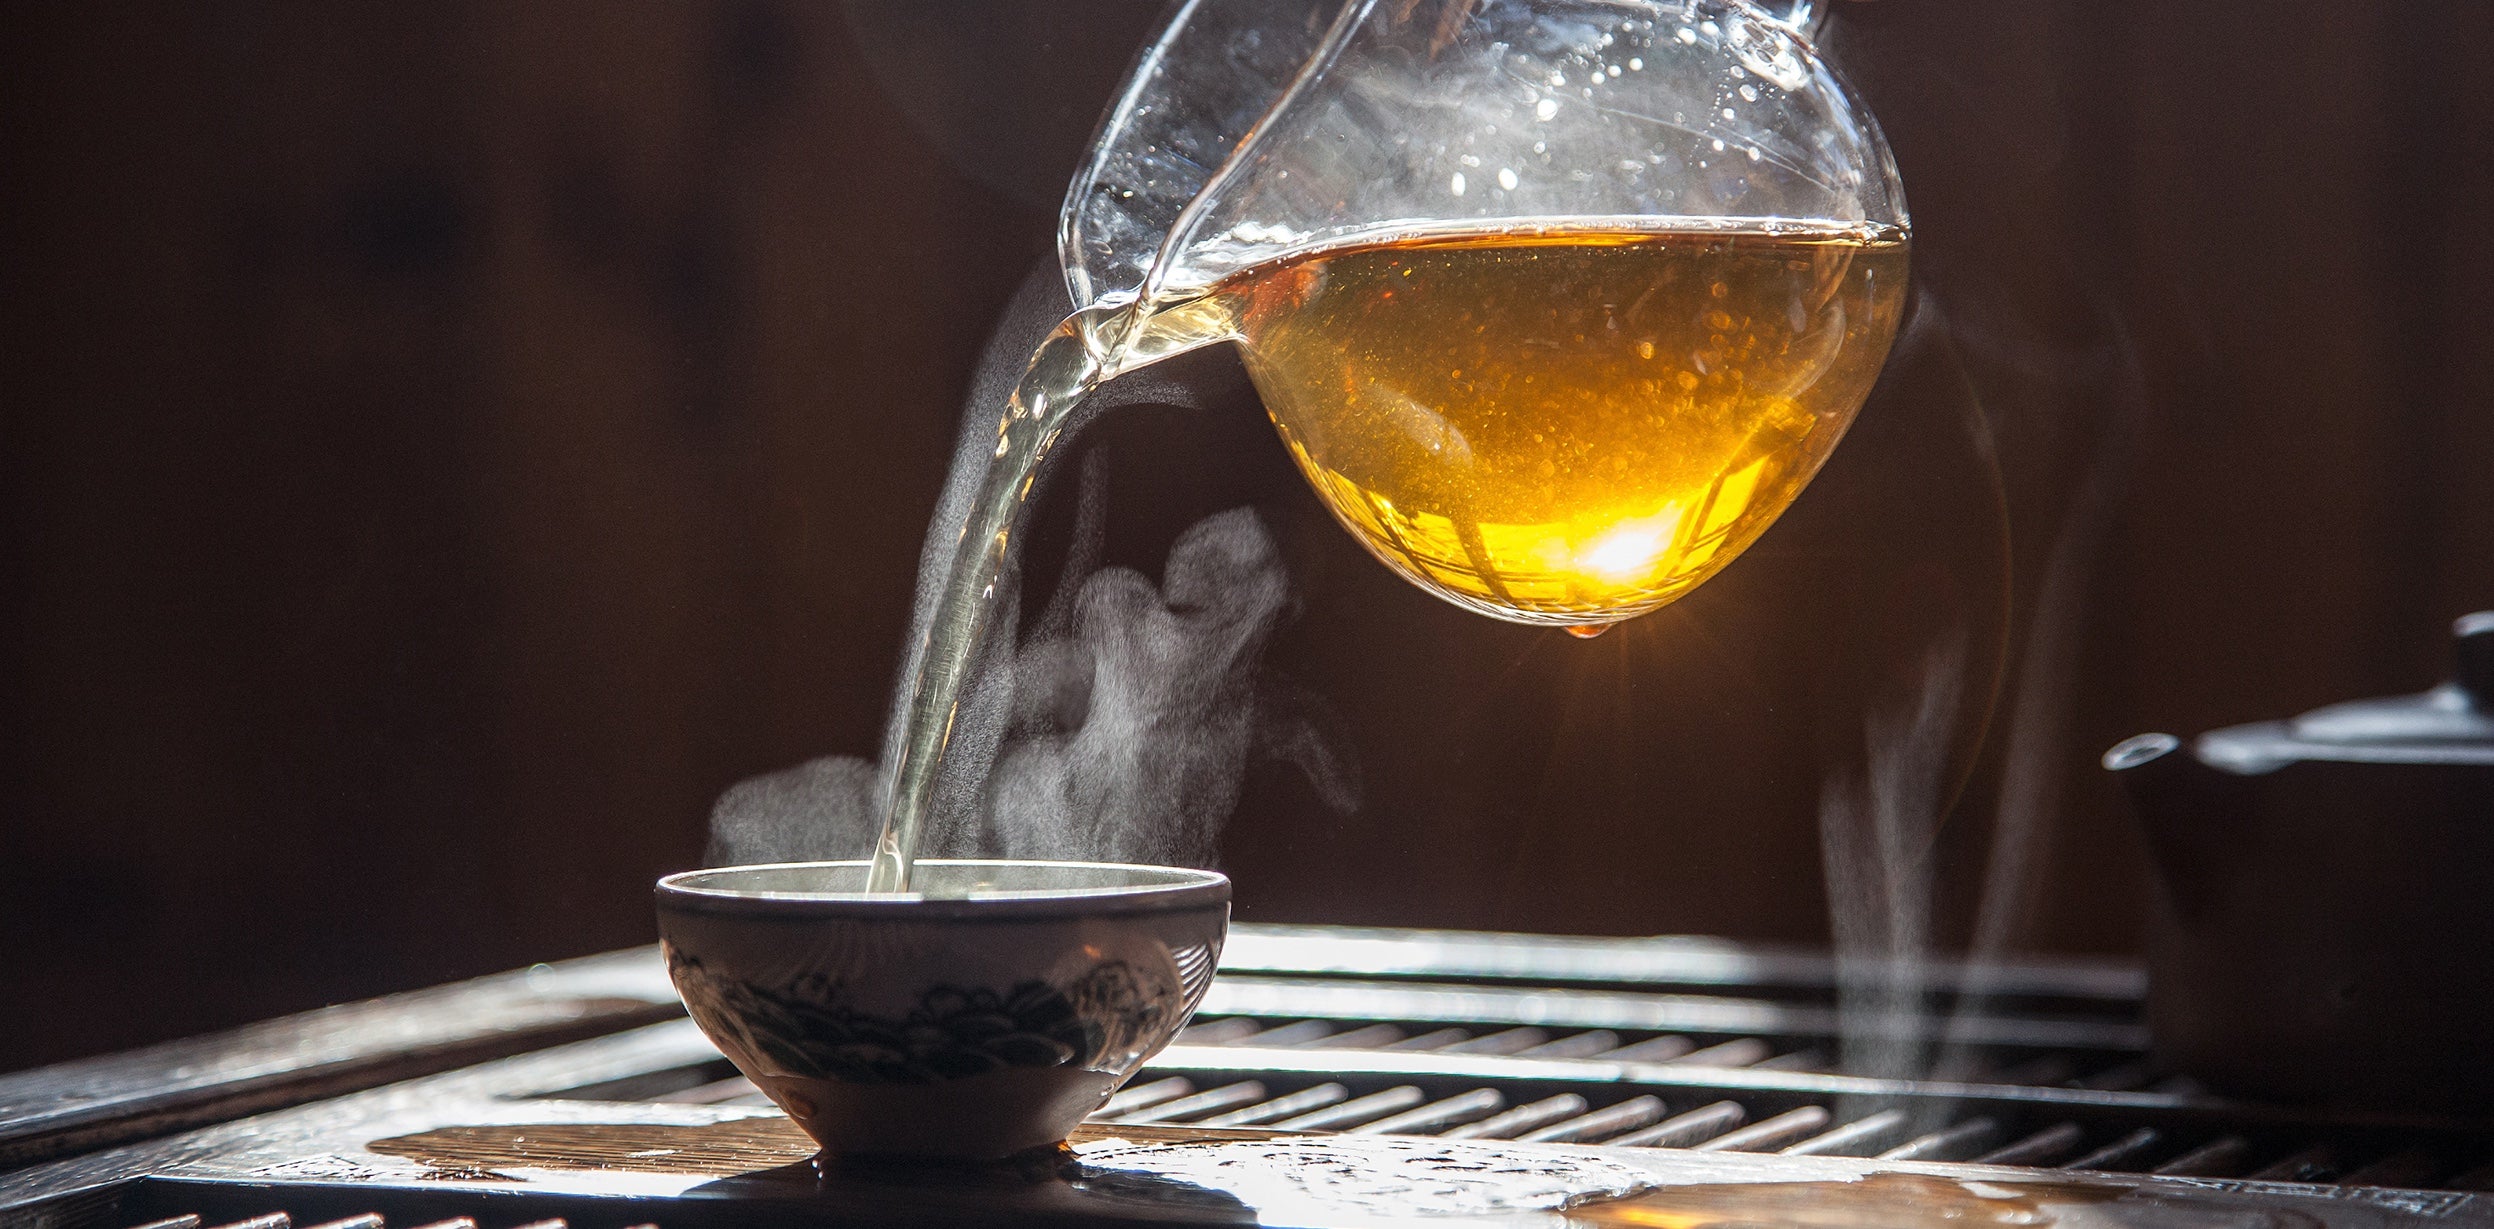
(1877, 830)
(819, 810)
(1879, 827)
(1120, 723)
(1134, 724)
(1119, 729)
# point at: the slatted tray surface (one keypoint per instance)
(2106, 1113)
(1665, 1054)
(1692, 1043)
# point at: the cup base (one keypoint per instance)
(979, 1118)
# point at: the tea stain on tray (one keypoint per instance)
(731, 1148)
(1874, 1201)
(711, 1149)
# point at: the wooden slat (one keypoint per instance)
(1682, 960)
(69, 1107)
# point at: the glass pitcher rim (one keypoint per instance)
(1812, 16)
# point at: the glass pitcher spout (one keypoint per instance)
(1804, 17)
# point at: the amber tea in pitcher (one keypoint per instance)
(1568, 425)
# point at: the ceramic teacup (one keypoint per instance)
(983, 1014)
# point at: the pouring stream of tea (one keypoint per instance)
(1567, 424)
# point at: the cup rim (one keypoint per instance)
(1179, 888)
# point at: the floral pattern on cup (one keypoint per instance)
(1101, 1021)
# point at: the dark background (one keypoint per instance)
(445, 445)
